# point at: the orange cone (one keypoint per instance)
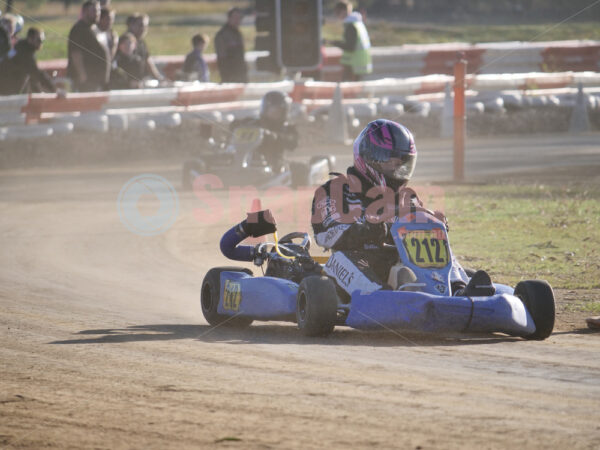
(256, 205)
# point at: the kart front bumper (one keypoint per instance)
(416, 311)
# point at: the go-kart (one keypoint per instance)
(298, 288)
(241, 162)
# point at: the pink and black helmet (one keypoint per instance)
(385, 153)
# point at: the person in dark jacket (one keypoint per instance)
(194, 66)
(5, 41)
(138, 24)
(129, 67)
(229, 46)
(89, 61)
(20, 74)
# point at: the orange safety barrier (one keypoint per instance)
(577, 59)
(51, 103)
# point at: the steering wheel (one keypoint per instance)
(289, 239)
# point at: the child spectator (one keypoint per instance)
(129, 69)
(194, 67)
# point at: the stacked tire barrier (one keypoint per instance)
(210, 103)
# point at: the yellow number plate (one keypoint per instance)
(427, 248)
(232, 297)
(246, 135)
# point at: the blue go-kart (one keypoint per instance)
(319, 294)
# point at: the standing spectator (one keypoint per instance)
(5, 32)
(137, 25)
(229, 46)
(107, 35)
(89, 60)
(129, 67)
(20, 74)
(8, 24)
(194, 66)
(356, 56)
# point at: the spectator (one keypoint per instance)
(89, 61)
(194, 67)
(8, 24)
(356, 56)
(129, 67)
(229, 46)
(5, 42)
(107, 36)
(138, 26)
(20, 73)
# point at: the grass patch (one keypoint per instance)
(591, 307)
(528, 232)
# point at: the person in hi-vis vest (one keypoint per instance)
(356, 46)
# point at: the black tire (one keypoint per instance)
(538, 298)
(187, 178)
(316, 306)
(299, 173)
(211, 294)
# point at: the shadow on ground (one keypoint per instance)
(277, 334)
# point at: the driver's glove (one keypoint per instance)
(259, 223)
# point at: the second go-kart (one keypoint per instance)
(298, 288)
(241, 162)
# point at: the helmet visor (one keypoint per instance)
(397, 168)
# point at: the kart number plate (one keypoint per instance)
(232, 297)
(427, 248)
(246, 135)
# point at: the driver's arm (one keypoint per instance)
(256, 224)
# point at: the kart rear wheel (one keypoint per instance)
(210, 295)
(538, 298)
(316, 306)
(190, 170)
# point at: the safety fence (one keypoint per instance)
(413, 60)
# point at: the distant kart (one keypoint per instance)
(297, 288)
(241, 163)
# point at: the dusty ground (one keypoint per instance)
(103, 345)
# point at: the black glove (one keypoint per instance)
(259, 223)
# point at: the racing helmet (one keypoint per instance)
(274, 107)
(385, 153)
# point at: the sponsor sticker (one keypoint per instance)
(232, 295)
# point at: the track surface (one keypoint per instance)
(102, 345)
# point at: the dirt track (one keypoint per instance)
(103, 345)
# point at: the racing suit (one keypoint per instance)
(277, 138)
(351, 217)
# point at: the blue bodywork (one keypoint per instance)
(431, 309)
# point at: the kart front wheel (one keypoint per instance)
(538, 298)
(210, 295)
(316, 306)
